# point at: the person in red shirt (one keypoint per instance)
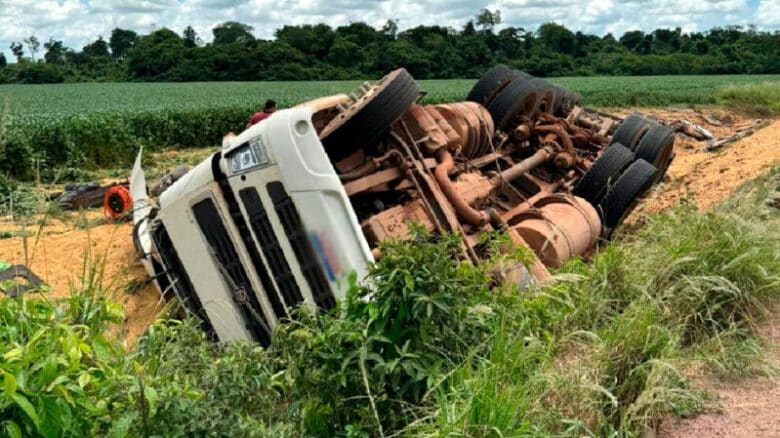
(268, 109)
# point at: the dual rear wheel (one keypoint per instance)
(638, 157)
(511, 95)
(615, 182)
(648, 140)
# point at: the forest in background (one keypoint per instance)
(357, 51)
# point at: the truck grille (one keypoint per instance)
(216, 235)
(304, 253)
(258, 219)
(246, 236)
(175, 278)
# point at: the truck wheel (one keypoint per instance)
(491, 83)
(560, 95)
(517, 98)
(572, 99)
(523, 74)
(657, 148)
(622, 196)
(565, 101)
(604, 171)
(561, 101)
(368, 117)
(631, 130)
(546, 92)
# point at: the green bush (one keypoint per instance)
(38, 73)
(360, 369)
(57, 359)
(369, 367)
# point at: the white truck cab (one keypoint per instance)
(257, 229)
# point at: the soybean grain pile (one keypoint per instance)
(103, 124)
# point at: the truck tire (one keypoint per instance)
(364, 122)
(523, 74)
(605, 170)
(560, 95)
(572, 99)
(544, 103)
(657, 148)
(565, 101)
(491, 83)
(631, 130)
(622, 196)
(517, 98)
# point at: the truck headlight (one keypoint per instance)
(248, 156)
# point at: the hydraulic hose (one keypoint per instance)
(462, 208)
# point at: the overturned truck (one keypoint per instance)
(287, 209)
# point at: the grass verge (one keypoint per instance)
(761, 98)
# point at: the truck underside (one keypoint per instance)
(289, 208)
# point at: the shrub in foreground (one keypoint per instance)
(362, 368)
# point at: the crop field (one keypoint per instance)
(101, 124)
(67, 99)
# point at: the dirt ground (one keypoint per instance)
(704, 178)
(63, 254)
(59, 250)
(750, 408)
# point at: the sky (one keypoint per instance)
(78, 22)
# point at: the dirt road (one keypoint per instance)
(750, 408)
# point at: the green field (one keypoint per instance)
(58, 99)
(99, 124)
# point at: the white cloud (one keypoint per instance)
(768, 13)
(79, 22)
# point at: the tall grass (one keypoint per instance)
(761, 98)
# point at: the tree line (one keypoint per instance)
(357, 50)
